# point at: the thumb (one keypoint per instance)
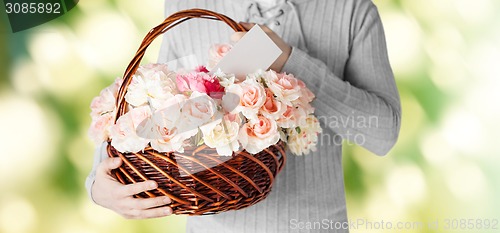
(109, 164)
(237, 36)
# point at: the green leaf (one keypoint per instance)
(200, 142)
(298, 129)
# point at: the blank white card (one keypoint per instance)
(252, 52)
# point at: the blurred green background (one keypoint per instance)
(445, 54)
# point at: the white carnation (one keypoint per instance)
(151, 86)
(303, 139)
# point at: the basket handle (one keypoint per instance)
(170, 22)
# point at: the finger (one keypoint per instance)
(247, 26)
(266, 29)
(148, 203)
(237, 36)
(132, 189)
(151, 213)
(109, 164)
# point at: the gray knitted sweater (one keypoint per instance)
(339, 51)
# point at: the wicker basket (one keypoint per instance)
(198, 181)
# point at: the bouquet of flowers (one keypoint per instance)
(213, 141)
(170, 111)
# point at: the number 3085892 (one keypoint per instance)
(33, 8)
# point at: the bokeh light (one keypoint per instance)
(10, 211)
(25, 122)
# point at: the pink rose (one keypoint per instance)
(285, 87)
(258, 135)
(216, 53)
(272, 108)
(246, 97)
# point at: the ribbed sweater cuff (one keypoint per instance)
(295, 61)
(99, 155)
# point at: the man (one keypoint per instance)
(337, 47)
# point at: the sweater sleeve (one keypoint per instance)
(363, 106)
(99, 155)
(166, 54)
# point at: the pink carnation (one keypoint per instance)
(304, 139)
(103, 111)
(200, 82)
(292, 117)
(105, 102)
(99, 128)
(202, 69)
(154, 68)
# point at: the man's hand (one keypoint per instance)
(287, 50)
(111, 194)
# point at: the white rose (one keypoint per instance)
(197, 111)
(162, 128)
(223, 135)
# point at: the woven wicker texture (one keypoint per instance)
(198, 181)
